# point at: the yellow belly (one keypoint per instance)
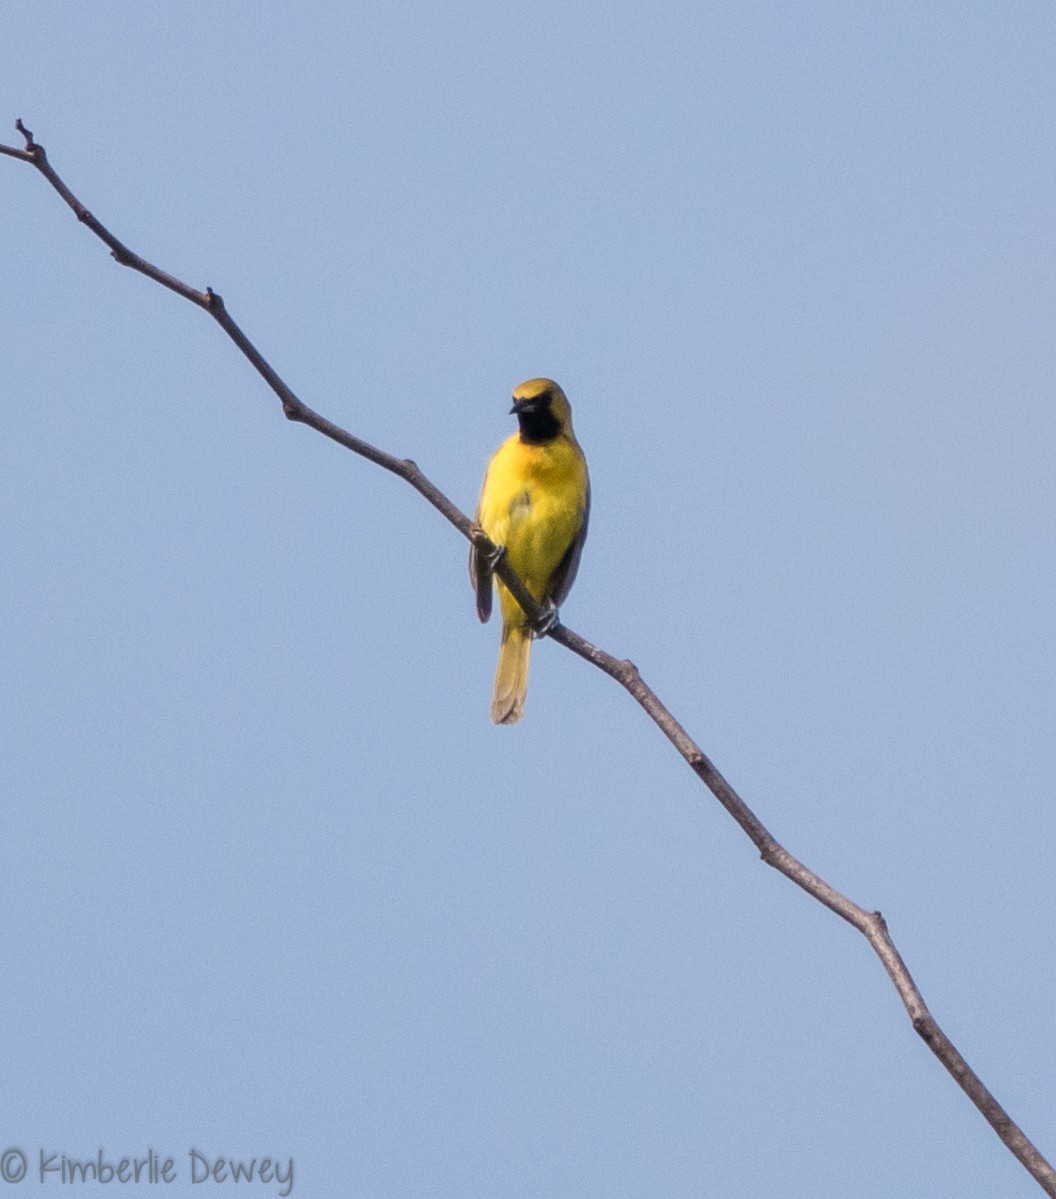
(533, 502)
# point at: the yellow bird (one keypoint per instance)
(535, 502)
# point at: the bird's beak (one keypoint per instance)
(520, 406)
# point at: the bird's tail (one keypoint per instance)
(511, 677)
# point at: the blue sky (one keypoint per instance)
(271, 882)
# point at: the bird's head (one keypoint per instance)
(542, 411)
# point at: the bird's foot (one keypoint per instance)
(490, 559)
(546, 620)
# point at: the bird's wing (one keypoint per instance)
(480, 577)
(565, 574)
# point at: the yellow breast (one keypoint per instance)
(533, 502)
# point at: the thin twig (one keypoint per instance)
(870, 924)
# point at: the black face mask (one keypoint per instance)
(538, 423)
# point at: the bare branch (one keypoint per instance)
(870, 924)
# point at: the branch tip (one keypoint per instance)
(873, 926)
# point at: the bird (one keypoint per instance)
(534, 507)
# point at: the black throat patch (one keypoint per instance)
(538, 425)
